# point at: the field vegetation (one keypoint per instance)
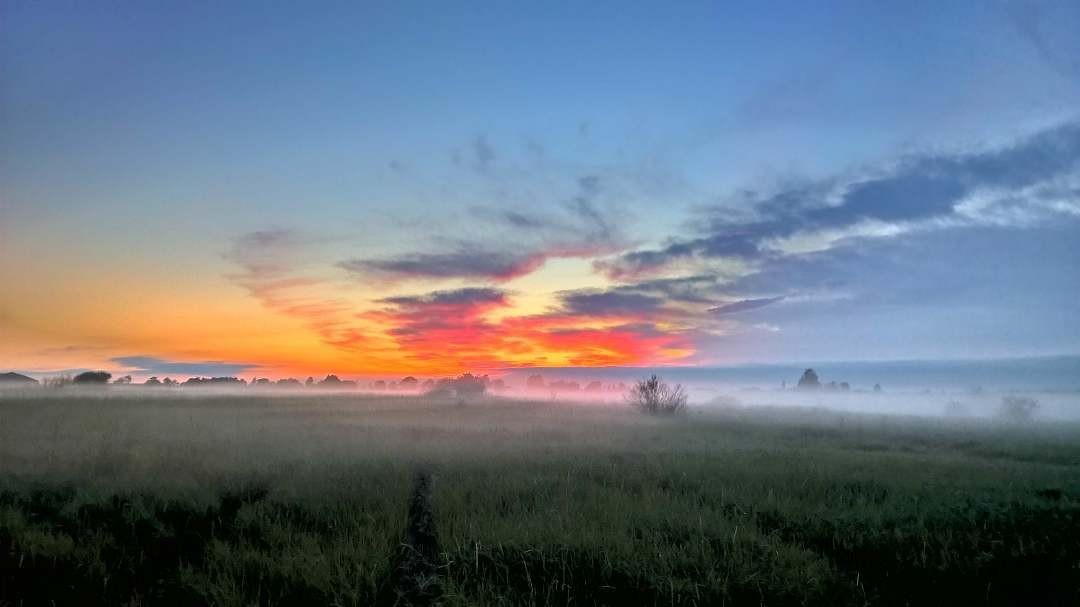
(306, 500)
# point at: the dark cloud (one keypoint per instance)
(690, 289)
(467, 261)
(448, 298)
(637, 264)
(917, 188)
(744, 305)
(148, 365)
(609, 303)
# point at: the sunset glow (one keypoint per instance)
(361, 193)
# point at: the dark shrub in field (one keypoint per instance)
(462, 387)
(809, 380)
(92, 377)
(1018, 408)
(656, 397)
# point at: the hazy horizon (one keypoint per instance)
(387, 190)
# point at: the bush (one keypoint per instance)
(655, 397)
(1018, 408)
(92, 377)
(462, 387)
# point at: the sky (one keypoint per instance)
(429, 188)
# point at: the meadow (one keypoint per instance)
(183, 499)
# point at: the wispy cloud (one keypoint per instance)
(1034, 179)
(465, 261)
(744, 305)
(149, 365)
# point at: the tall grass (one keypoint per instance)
(302, 500)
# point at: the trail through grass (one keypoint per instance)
(283, 501)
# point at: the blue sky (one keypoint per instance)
(894, 181)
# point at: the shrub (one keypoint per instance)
(1018, 408)
(92, 377)
(655, 397)
(809, 380)
(468, 385)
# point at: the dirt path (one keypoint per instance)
(416, 576)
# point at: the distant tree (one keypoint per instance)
(1018, 408)
(333, 382)
(152, 382)
(378, 385)
(261, 382)
(428, 384)
(655, 397)
(497, 385)
(809, 380)
(92, 378)
(289, 383)
(845, 387)
(594, 386)
(168, 381)
(12, 378)
(468, 385)
(309, 382)
(535, 382)
(409, 383)
(199, 382)
(877, 387)
(122, 380)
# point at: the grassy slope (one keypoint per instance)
(241, 500)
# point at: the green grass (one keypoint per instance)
(302, 500)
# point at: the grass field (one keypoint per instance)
(304, 500)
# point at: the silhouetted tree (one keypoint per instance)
(309, 382)
(289, 383)
(92, 378)
(409, 383)
(535, 382)
(468, 385)
(809, 380)
(200, 382)
(594, 386)
(655, 397)
(333, 382)
(877, 387)
(1018, 408)
(122, 380)
(16, 378)
(152, 382)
